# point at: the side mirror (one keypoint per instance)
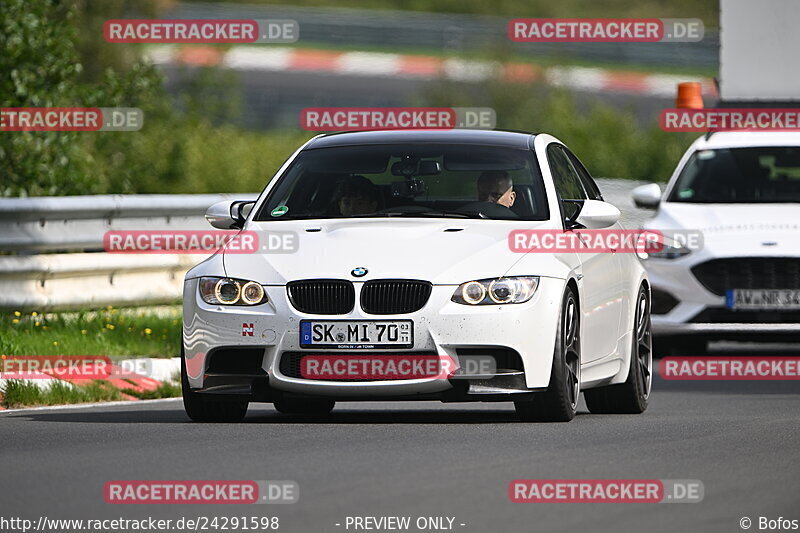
(594, 214)
(229, 214)
(647, 196)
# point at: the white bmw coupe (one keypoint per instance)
(394, 278)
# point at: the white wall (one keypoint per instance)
(760, 50)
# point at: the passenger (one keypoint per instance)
(358, 196)
(496, 186)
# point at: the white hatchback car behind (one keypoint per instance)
(741, 191)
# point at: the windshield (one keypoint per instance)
(410, 180)
(768, 174)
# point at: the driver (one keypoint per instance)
(496, 186)
(357, 196)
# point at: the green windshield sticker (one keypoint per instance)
(280, 211)
(686, 193)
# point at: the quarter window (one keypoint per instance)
(588, 183)
(566, 179)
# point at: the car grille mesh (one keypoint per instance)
(394, 296)
(719, 275)
(322, 296)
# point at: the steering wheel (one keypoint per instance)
(490, 209)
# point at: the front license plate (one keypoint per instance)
(762, 299)
(356, 334)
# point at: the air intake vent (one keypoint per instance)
(719, 275)
(394, 296)
(322, 296)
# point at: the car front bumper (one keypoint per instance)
(441, 327)
(700, 312)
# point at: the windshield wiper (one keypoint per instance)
(331, 217)
(388, 214)
(433, 214)
(382, 214)
(453, 214)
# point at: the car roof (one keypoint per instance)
(510, 139)
(744, 139)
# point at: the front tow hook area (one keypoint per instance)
(501, 382)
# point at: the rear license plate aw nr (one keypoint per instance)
(356, 334)
(763, 299)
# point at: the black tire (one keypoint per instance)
(560, 402)
(630, 397)
(204, 409)
(304, 406)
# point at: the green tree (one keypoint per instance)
(41, 67)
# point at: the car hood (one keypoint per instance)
(736, 229)
(446, 251)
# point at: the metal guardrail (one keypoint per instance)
(449, 33)
(52, 249)
(79, 222)
(51, 254)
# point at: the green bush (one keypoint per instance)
(611, 142)
(178, 156)
(40, 67)
(184, 146)
(45, 45)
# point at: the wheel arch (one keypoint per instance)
(571, 282)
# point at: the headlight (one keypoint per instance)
(252, 293)
(229, 291)
(666, 252)
(511, 290)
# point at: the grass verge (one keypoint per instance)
(20, 393)
(167, 389)
(146, 332)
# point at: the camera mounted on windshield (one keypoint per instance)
(411, 168)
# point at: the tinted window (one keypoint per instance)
(769, 174)
(407, 180)
(565, 178)
(586, 179)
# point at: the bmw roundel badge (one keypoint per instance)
(359, 272)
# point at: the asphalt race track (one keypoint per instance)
(423, 459)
